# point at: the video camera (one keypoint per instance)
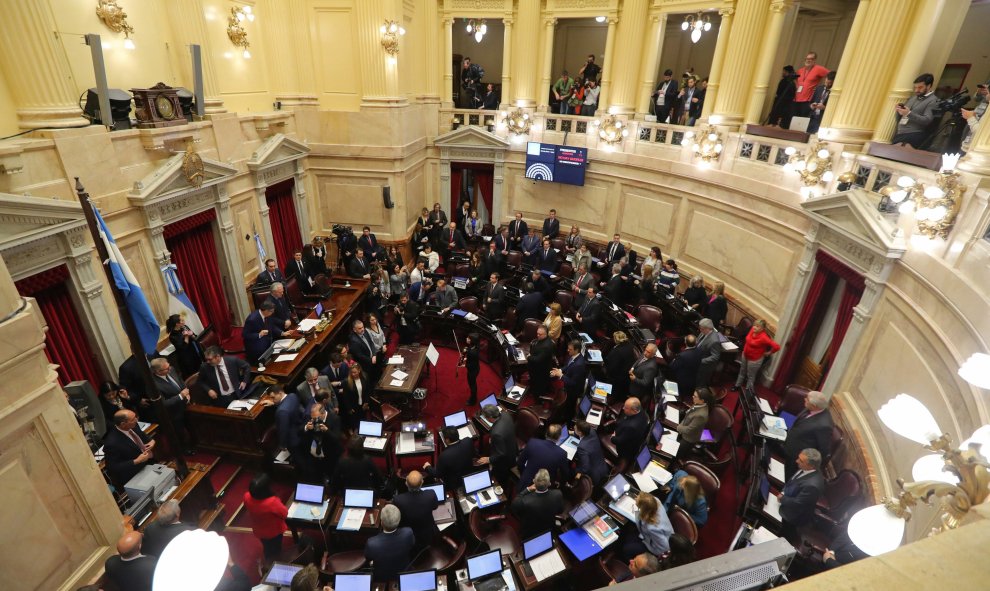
(954, 103)
(341, 229)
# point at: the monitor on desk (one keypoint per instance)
(359, 497)
(537, 545)
(657, 431)
(477, 481)
(318, 309)
(309, 493)
(281, 574)
(438, 491)
(263, 359)
(351, 582)
(482, 565)
(644, 458)
(617, 487)
(457, 419)
(489, 400)
(424, 580)
(370, 429)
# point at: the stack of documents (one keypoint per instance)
(375, 442)
(351, 519)
(669, 444)
(776, 470)
(396, 360)
(672, 414)
(773, 427)
(658, 473)
(308, 324)
(772, 506)
(671, 388)
(407, 442)
(644, 482)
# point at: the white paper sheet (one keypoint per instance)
(352, 519)
(407, 443)
(760, 535)
(432, 354)
(776, 470)
(772, 507)
(643, 481)
(764, 406)
(672, 414)
(671, 388)
(399, 374)
(396, 360)
(658, 473)
(282, 457)
(307, 324)
(286, 357)
(396, 383)
(670, 445)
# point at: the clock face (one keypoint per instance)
(164, 107)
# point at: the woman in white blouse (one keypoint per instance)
(376, 332)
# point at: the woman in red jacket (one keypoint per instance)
(268, 515)
(759, 346)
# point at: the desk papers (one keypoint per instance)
(760, 535)
(286, 357)
(671, 388)
(764, 405)
(375, 442)
(432, 354)
(594, 355)
(776, 470)
(772, 506)
(773, 427)
(282, 457)
(308, 324)
(407, 443)
(351, 519)
(658, 473)
(463, 432)
(546, 565)
(672, 414)
(729, 346)
(399, 374)
(304, 511)
(242, 404)
(644, 481)
(626, 506)
(396, 383)
(396, 360)
(669, 444)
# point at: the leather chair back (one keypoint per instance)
(527, 424)
(208, 338)
(709, 482)
(461, 270)
(488, 230)
(793, 400)
(514, 259)
(840, 493)
(565, 299)
(530, 326)
(683, 524)
(566, 270)
(741, 329)
(259, 297)
(468, 304)
(558, 243)
(293, 291)
(443, 555)
(719, 422)
(649, 317)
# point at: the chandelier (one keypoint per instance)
(696, 23)
(478, 28)
(707, 145)
(611, 130)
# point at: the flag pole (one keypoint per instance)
(132, 335)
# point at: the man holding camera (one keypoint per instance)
(973, 116)
(917, 114)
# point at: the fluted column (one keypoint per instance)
(978, 158)
(736, 79)
(446, 62)
(648, 75)
(867, 69)
(284, 22)
(188, 23)
(768, 52)
(379, 70)
(36, 69)
(506, 59)
(912, 56)
(715, 73)
(524, 41)
(628, 56)
(609, 66)
(431, 86)
(546, 76)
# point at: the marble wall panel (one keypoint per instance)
(647, 217)
(338, 73)
(246, 249)
(587, 206)
(352, 200)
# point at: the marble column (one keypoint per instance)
(629, 45)
(546, 76)
(648, 75)
(506, 59)
(285, 21)
(446, 65)
(525, 41)
(379, 69)
(302, 207)
(768, 53)
(187, 20)
(867, 69)
(266, 220)
(715, 73)
(608, 67)
(735, 81)
(231, 259)
(36, 69)
(945, 31)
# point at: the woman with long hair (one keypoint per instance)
(718, 306)
(188, 353)
(686, 493)
(354, 398)
(652, 528)
(470, 360)
(554, 322)
(695, 295)
(573, 241)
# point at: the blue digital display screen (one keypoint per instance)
(558, 164)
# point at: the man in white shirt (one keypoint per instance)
(590, 99)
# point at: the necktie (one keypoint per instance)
(137, 440)
(300, 267)
(271, 275)
(581, 280)
(515, 231)
(171, 380)
(451, 235)
(584, 308)
(312, 388)
(611, 251)
(222, 377)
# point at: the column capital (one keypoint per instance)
(447, 21)
(549, 22)
(726, 11)
(508, 22)
(781, 5)
(613, 20)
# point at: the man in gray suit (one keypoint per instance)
(446, 296)
(313, 384)
(710, 347)
(175, 395)
(582, 281)
(643, 373)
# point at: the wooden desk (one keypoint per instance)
(414, 360)
(423, 445)
(525, 576)
(235, 432)
(196, 497)
(345, 300)
(467, 503)
(464, 584)
(370, 523)
(295, 523)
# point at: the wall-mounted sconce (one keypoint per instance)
(611, 129)
(235, 28)
(815, 167)
(114, 17)
(706, 145)
(518, 122)
(391, 31)
(935, 207)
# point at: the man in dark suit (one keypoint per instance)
(811, 429)
(362, 349)
(454, 461)
(684, 368)
(537, 506)
(589, 312)
(643, 373)
(530, 305)
(630, 430)
(517, 231)
(540, 454)
(225, 378)
(551, 225)
(311, 386)
(175, 396)
(390, 551)
(502, 242)
(801, 492)
(290, 418)
(127, 449)
(299, 269)
(710, 349)
(540, 362)
(574, 373)
(819, 100)
(166, 526)
(336, 372)
(462, 215)
(283, 313)
(130, 569)
(359, 267)
(368, 244)
(615, 287)
(347, 246)
(582, 281)
(270, 275)
(493, 258)
(613, 252)
(493, 302)
(452, 240)
(547, 257)
(503, 447)
(417, 507)
(530, 248)
(589, 461)
(445, 296)
(665, 96)
(539, 282)
(260, 331)
(407, 315)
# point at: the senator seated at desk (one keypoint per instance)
(127, 448)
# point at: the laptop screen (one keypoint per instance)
(455, 420)
(510, 384)
(489, 400)
(319, 309)
(585, 406)
(359, 497)
(484, 564)
(352, 582)
(657, 430)
(563, 435)
(438, 491)
(477, 481)
(419, 581)
(537, 545)
(643, 459)
(370, 429)
(281, 574)
(617, 487)
(309, 493)
(584, 512)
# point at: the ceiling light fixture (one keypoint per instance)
(697, 24)
(478, 28)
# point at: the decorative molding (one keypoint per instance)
(275, 160)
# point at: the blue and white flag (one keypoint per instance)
(262, 255)
(178, 300)
(147, 326)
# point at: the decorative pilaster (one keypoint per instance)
(735, 83)
(283, 21)
(628, 55)
(446, 65)
(546, 76)
(231, 259)
(266, 220)
(609, 65)
(379, 70)
(768, 52)
(431, 86)
(188, 23)
(506, 58)
(524, 70)
(715, 74)
(647, 76)
(36, 68)
(302, 207)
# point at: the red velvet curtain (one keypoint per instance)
(789, 362)
(65, 344)
(486, 184)
(285, 224)
(455, 190)
(194, 253)
(850, 297)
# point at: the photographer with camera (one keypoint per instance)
(407, 315)
(973, 116)
(323, 432)
(917, 114)
(471, 75)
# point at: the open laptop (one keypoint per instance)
(652, 468)
(372, 433)
(438, 490)
(357, 501)
(281, 573)
(424, 580)
(444, 513)
(600, 391)
(592, 415)
(513, 391)
(308, 502)
(594, 534)
(309, 493)
(485, 571)
(542, 561)
(622, 494)
(352, 582)
(568, 443)
(489, 400)
(656, 432)
(458, 420)
(479, 484)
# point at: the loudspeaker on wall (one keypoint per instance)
(387, 197)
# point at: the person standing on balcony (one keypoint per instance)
(808, 78)
(562, 92)
(665, 96)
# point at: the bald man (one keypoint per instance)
(127, 448)
(417, 507)
(639, 566)
(130, 569)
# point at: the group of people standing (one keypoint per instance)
(802, 93)
(679, 103)
(579, 95)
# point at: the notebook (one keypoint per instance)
(372, 433)
(357, 501)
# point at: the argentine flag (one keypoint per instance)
(147, 326)
(178, 300)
